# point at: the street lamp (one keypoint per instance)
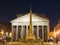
(10, 34)
(2, 32)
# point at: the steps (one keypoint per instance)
(29, 42)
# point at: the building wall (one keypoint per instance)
(57, 30)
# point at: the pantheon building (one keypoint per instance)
(40, 26)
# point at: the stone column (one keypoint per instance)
(17, 33)
(37, 32)
(48, 30)
(13, 33)
(22, 32)
(26, 30)
(43, 33)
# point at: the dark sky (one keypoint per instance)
(9, 9)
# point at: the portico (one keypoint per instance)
(20, 27)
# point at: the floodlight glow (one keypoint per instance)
(10, 34)
(2, 32)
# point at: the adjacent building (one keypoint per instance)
(57, 30)
(5, 28)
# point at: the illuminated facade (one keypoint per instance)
(5, 27)
(57, 30)
(20, 27)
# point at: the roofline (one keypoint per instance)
(32, 13)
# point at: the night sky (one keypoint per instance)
(9, 9)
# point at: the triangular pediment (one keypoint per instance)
(26, 18)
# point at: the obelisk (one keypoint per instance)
(30, 34)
